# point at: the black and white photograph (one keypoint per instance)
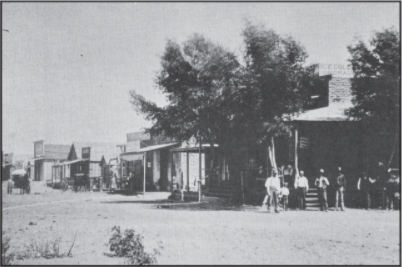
(201, 133)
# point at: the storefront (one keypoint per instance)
(151, 167)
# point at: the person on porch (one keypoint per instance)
(273, 185)
(340, 189)
(301, 185)
(322, 184)
(288, 174)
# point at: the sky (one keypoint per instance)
(68, 68)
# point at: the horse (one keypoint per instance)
(25, 184)
(81, 181)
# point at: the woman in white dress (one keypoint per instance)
(113, 182)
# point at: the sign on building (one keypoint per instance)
(86, 153)
(137, 136)
(39, 149)
(8, 158)
(336, 70)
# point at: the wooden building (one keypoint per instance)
(45, 156)
(87, 158)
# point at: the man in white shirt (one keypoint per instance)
(322, 184)
(273, 185)
(301, 185)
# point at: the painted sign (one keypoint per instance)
(137, 136)
(39, 150)
(86, 153)
(8, 158)
(336, 70)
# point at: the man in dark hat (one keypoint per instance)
(340, 189)
(322, 184)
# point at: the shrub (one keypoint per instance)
(6, 258)
(47, 249)
(129, 246)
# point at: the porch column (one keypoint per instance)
(188, 173)
(199, 173)
(171, 171)
(145, 169)
(296, 156)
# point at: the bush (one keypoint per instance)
(6, 258)
(128, 245)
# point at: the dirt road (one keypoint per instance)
(203, 235)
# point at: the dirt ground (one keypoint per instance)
(191, 233)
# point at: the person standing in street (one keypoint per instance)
(322, 184)
(273, 185)
(285, 196)
(301, 185)
(382, 177)
(340, 189)
(365, 186)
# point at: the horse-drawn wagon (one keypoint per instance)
(78, 182)
(19, 179)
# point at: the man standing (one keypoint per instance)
(340, 189)
(365, 185)
(322, 184)
(273, 185)
(301, 185)
(382, 178)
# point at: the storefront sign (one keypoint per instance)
(336, 70)
(86, 153)
(39, 150)
(8, 158)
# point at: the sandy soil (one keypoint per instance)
(207, 233)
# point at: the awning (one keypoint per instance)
(195, 149)
(333, 112)
(73, 161)
(141, 151)
(37, 158)
(132, 157)
(156, 147)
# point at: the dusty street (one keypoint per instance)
(203, 235)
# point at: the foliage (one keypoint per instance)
(129, 245)
(212, 97)
(276, 77)
(6, 257)
(376, 86)
(41, 248)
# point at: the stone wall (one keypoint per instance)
(339, 90)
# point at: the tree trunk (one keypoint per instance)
(393, 151)
(271, 154)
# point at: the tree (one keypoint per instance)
(376, 91)
(198, 80)
(277, 79)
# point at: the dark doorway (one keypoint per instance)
(164, 158)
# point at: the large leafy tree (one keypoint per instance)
(198, 79)
(212, 97)
(277, 79)
(376, 92)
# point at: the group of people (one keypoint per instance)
(380, 180)
(131, 182)
(383, 182)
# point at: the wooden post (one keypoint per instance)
(296, 156)
(145, 170)
(199, 173)
(188, 173)
(171, 171)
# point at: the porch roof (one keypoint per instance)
(72, 161)
(334, 112)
